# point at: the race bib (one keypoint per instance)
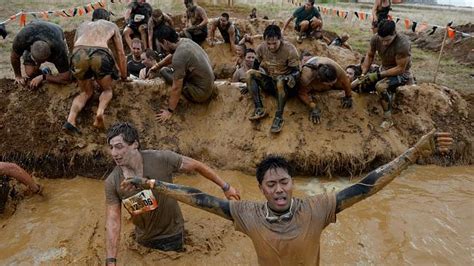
(138, 18)
(141, 202)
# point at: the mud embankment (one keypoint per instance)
(347, 140)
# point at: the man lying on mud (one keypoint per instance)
(157, 218)
(287, 230)
(191, 74)
(40, 42)
(12, 170)
(321, 74)
(91, 61)
(308, 21)
(280, 61)
(394, 50)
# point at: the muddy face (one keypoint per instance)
(350, 74)
(277, 187)
(223, 21)
(121, 151)
(136, 50)
(387, 40)
(273, 44)
(249, 59)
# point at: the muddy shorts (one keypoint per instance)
(172, 243)
(269, 85)
(136, 26)
(92, 62)
(394, 82)
(198, 35)
(190, 91)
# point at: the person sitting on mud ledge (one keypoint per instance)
(196, 23)
(308, 21)
(394, 50)
(321, 74)
(40, 42)
(136, 16)
(229, 31)
(286, 230)
(92, 60)
(191, 74)
(134, 60)
(12, 170)
(157, 20)
(280, 61)
(157, 218)
(240, 74)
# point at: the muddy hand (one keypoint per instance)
(346, 102)
(133, 183)
(163, 116)
(315, 116)
(20, 80)
(444, 142)
(232, 194)
(36, 82)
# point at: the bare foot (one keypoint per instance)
(99, 122)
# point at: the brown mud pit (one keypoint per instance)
(461, 47)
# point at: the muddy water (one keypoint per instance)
(424, 217)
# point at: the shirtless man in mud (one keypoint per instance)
(40, 42)
(191, 75)
(136, 16)
(394, 50)
(12, 170)
(92, 60)
(308, 21)
(287, 230)
(280, 60)
(321, 74)
(157, 218)
(228, 30)
(196, 25)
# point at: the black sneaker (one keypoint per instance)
(258, 114)
(277, 125)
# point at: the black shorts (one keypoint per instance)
(135, 27)
(92, 62)
(198, 35)
(172, 243)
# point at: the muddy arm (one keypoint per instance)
(380, 177)
(398, 69)
(290, 19)
(16, 63)
(232, 38)
(16, 172)
(185, 194)
(113, 224)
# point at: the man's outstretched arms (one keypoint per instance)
(185, 194)
(380, 177)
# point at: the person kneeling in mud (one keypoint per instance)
(280, 61)
(11, 170)
(321, 74)
(229, 31)
(92, 59)
(286, 230)
(308, 21)
(157, 217)
(196, 25)
(191, 74)
(394, 50)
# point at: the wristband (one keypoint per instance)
(110, 260)
(170, 110)
(226, 187)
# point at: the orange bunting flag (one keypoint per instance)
(22, 19)
(13, 17)
(451, 33)
(407, 23)
(390, 17)
(80, 11)
(96, 5)
(89, 8)
(44, 15)
(422, 27)
(362, 16)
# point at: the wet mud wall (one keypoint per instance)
(347, 142)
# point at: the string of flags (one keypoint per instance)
(71, 12)
(409, 24)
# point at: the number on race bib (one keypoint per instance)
(141, 202)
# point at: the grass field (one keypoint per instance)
(451, 73)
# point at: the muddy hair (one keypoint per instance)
(225, 15)
(272, 31)
(357, 70)
(167, 33)
(327, 73)
(249, 50)
(40, 51)
(385, 28)
(272, 162)
(149, 53)
(127, 130)
(100, 13)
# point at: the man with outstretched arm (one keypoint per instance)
(287, 230)
(321, 74)
(40, 42)
(157, 217)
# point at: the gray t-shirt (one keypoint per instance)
(166, 219)
(293, 242)
(399, 48)
(192, 64)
